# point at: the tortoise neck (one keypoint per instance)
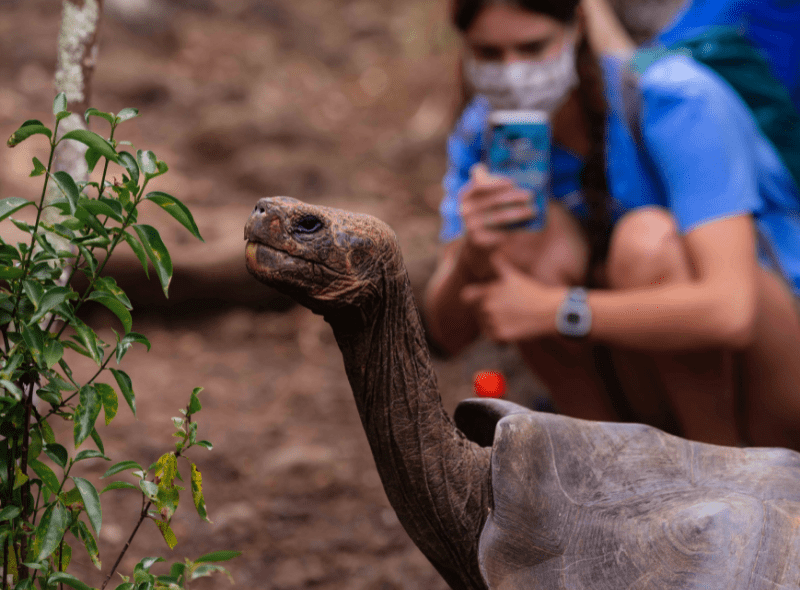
(436, 480)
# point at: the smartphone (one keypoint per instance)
(519, 149)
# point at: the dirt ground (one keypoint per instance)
(338, 102)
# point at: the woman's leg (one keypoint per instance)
(697, 387)
(566, 368)
(771, 368)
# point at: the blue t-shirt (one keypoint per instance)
(706, 158)
(771, 25)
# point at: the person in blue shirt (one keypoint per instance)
(688, 237)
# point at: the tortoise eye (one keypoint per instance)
(308, 224)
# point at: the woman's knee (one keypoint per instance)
(646, 249)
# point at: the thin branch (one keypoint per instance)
(142, 516)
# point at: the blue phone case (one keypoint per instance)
(519, 149)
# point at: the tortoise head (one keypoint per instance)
(324, 258)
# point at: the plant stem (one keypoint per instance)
(5, 563)
(142, 516)
(29, 255)
(96, 274)
(23, 466)
(102, 368)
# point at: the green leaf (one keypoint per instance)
(69, 188)
(97, 440)
(38, 168)
(11, 388)
(48, 435)
(68, 579)
(89, 339)
(71, 497)
(125, 586)
(92, 156)
(166, 532)
(177, 209)
(208, 569)
(12, 205)
(9, 513)
(50, 530)
(63, 115)
(34, 291)
(93, 112)
(218, 556)
(57, 453)
(109, 398)
(166, 470)
(89, 454)
(127, 113)
(52, 298)
(127, 160)
(91, 500)
(19, 477)
(147, 162)
(86, 413)
(119, 485)
(59, 103)
(46, 475)
(205, 444)
(52, 353)
(149, 488)
(127, 341)
(84, 535)
(137, 248)
(121, 466)
(167, 501)
(197, 493)
(157, 253)
(94, 141)
(9, 273)
(97, 207)
(194, 402)
(26, 131)
(115, 306)
(62, 556)
(126, 387)
(34, 337)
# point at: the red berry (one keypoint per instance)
(489, 384)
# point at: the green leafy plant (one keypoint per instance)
(44, 508)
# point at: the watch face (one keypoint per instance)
(574, 318)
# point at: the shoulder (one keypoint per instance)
(679, 78)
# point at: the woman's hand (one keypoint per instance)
(488, 203)
(514, 307)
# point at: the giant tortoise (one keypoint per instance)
(507, 498)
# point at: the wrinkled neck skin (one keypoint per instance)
(437, 481)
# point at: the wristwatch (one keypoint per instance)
(574, 318)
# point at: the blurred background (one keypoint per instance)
(345, 103)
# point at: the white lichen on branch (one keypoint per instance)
(77, 50)
(77, 54)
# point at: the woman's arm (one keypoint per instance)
(450, 321)
(604, 31)
(716, 310)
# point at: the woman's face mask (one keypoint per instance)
(541, 85)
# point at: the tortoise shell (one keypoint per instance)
(608, 506)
